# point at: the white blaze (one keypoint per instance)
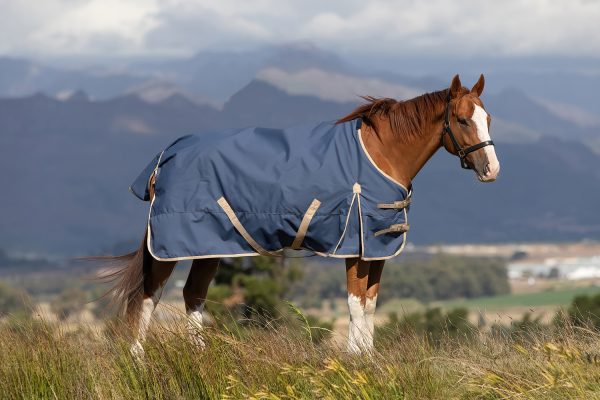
(480, 119)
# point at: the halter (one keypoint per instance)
(462, 153)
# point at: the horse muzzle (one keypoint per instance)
(489, 172)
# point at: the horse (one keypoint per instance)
(397, 138)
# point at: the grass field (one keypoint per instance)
(560, 297)
(46, 362)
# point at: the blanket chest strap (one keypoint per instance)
(394, 229)
(398, 205)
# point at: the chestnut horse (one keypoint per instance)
(400, 137)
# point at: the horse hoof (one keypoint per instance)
(137, 351)
(196, 338)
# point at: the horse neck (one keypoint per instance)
(402, 159)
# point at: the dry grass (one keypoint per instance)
(41, 361)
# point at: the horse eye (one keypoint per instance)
(463, 121)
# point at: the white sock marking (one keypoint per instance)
(137, 351)
(195, 325)
(148, 306)
(359, 335)
(369, 315)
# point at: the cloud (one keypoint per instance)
(510, 27)
(333, 86)
(75, 27)
(185, 27)
(163, 27)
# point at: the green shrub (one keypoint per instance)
(69, 302)
(11, 300)
(585, 311)
(433, 323)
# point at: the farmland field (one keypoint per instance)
(559, 297)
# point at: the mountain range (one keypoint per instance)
(69, 152)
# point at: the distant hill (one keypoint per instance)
(218, 75)
(514, 105)
(67, 165)
(207, 76)
(213, 77)
(547, 190)
(20, 77)
(260, 104)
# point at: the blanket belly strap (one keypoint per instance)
(238, 225)
(310, 213)
(393, 229)
(298, 239)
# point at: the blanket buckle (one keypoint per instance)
(402, 228)
(398, 205)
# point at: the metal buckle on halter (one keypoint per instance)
(461, 153)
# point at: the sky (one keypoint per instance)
(165, 28)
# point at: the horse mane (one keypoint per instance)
(406, 117)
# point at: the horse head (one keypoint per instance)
(466, 130)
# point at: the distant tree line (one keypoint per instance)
(439, 277)
(8, 262)
(436, 323)
(585, 311)
(444, 277)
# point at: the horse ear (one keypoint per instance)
(455, 86)
(478, 87)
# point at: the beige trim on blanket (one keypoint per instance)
(364, 149)
(356, 189)
(308, 216)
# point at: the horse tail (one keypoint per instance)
(126, 274)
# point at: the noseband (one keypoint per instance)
(462, 153)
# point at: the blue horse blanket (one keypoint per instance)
(257, 191)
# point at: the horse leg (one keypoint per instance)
(357, 277)
(194, 294)
(375, 271)
(155, 278)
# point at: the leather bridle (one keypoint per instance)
(462, 153)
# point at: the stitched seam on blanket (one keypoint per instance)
(245, 212)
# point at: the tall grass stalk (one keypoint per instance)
(44, 361)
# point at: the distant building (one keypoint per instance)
(572, 268)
